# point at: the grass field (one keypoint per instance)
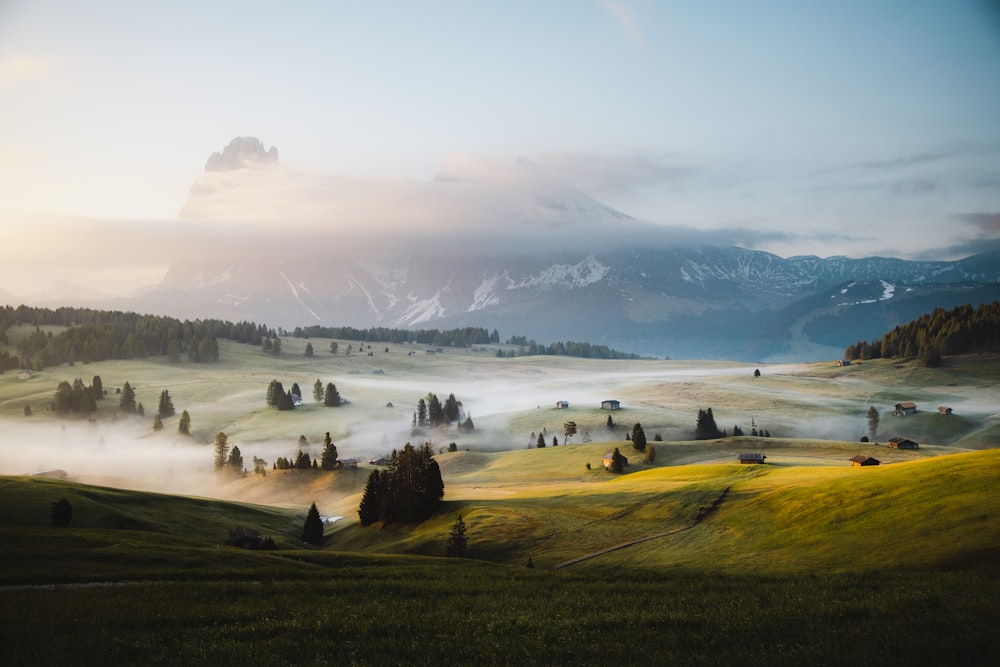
(803, 560)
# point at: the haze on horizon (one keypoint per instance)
(828, 128)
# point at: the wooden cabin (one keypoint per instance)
(900, 442)
(862, 460)
(610, 404)
(751, 457)
(905, 408)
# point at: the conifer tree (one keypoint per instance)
(617, 461)
(371, 499)
(235, 461)
(540, 442)
(569, 430)
(157, 422)
(166, 408)
(706, 428)
(184, 425)
(127, 401)
(312, 529)
(221, 450)
(329, 459)
(318, 391)
(872, 418)
(638, 438)
(331, 398)
(456, 540)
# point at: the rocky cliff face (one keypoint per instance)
(242, 153)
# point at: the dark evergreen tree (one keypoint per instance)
(410, 487)
(617, 461)
(286, 402)
(872, 418)
(371, 500)
(467, 425)
(221, 450)
(421, 413)
(62, 513)
(312, 529)
(329, 459)
(309, 349)
(706, 428)
(302, 461)
(451, 409)
(296, 391)
(331, 398)
(435, 411)
(540, 442)
(97, 388)
(457, 542)
(184, 425)
(166, 408)
(127, 401)
(235, 461)
(610, 423)
(318, 391)
(157, 422)
(139, 410)
(638, 438)
(555, 441)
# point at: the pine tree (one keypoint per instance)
(333, 347)
(638, 438)
(221, 450)
(331, 398)
(371, 500)
(421, 419)
(184, 425)
(706, 428)
(872, 418)
(451, 409)
(610, 423)
(312, 529)
(157, 422)
(617, 461)
(309, 349)
(456, 540)
(540, 443)
(235, 461)
(318, 391)
(166, 408)
(127, 401)
(97, 388)
(329, 459)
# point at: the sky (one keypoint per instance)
(844, 127)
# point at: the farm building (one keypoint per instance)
(381, 461)
(905, 408)
(751, 457)
(610, 404)
(944, 410)
(348, 464)
(862, 460)
(562, 405)
(843, 362)
(900, 442)
(244, 538)
(608, 460)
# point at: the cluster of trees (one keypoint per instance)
(431, 413)
(452, 338)
(97, 335)
(302, 462)
(528, 348)
(228, 460)
(961, 330)
(408, 490)
(77, 398)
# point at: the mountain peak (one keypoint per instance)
(242, 153)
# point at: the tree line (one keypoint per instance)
(407, 491)
(98, 335)
(463, 337)
(528, 348)
(961, 330)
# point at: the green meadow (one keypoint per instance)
(690, 559)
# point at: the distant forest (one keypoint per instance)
(464, 337)
(962, 330)
(96, 335)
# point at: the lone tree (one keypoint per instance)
(872, 417)
(318, 391)
(456, 540)
(62, 513)
(127, 401)
(235, 462)
(157, 422)
(638, 438)
(184, 425)
(329, 459)
(540, 443)
(610, 423)
(706, 428)
(221, 450)
(331, 398)
(309, 349)
(617, 461)
(312, 529)
(650, 454)
(569, 430)
(166, 407)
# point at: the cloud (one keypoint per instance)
(619, 174)
(23, 68)
(622, 13)
(986, 222)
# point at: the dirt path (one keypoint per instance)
(694, 522)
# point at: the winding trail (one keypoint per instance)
(688, 526)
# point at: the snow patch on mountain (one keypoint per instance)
(422, 310)
(485, 294)
(295, 295)
(586, 272)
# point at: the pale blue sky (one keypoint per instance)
(847, 127)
